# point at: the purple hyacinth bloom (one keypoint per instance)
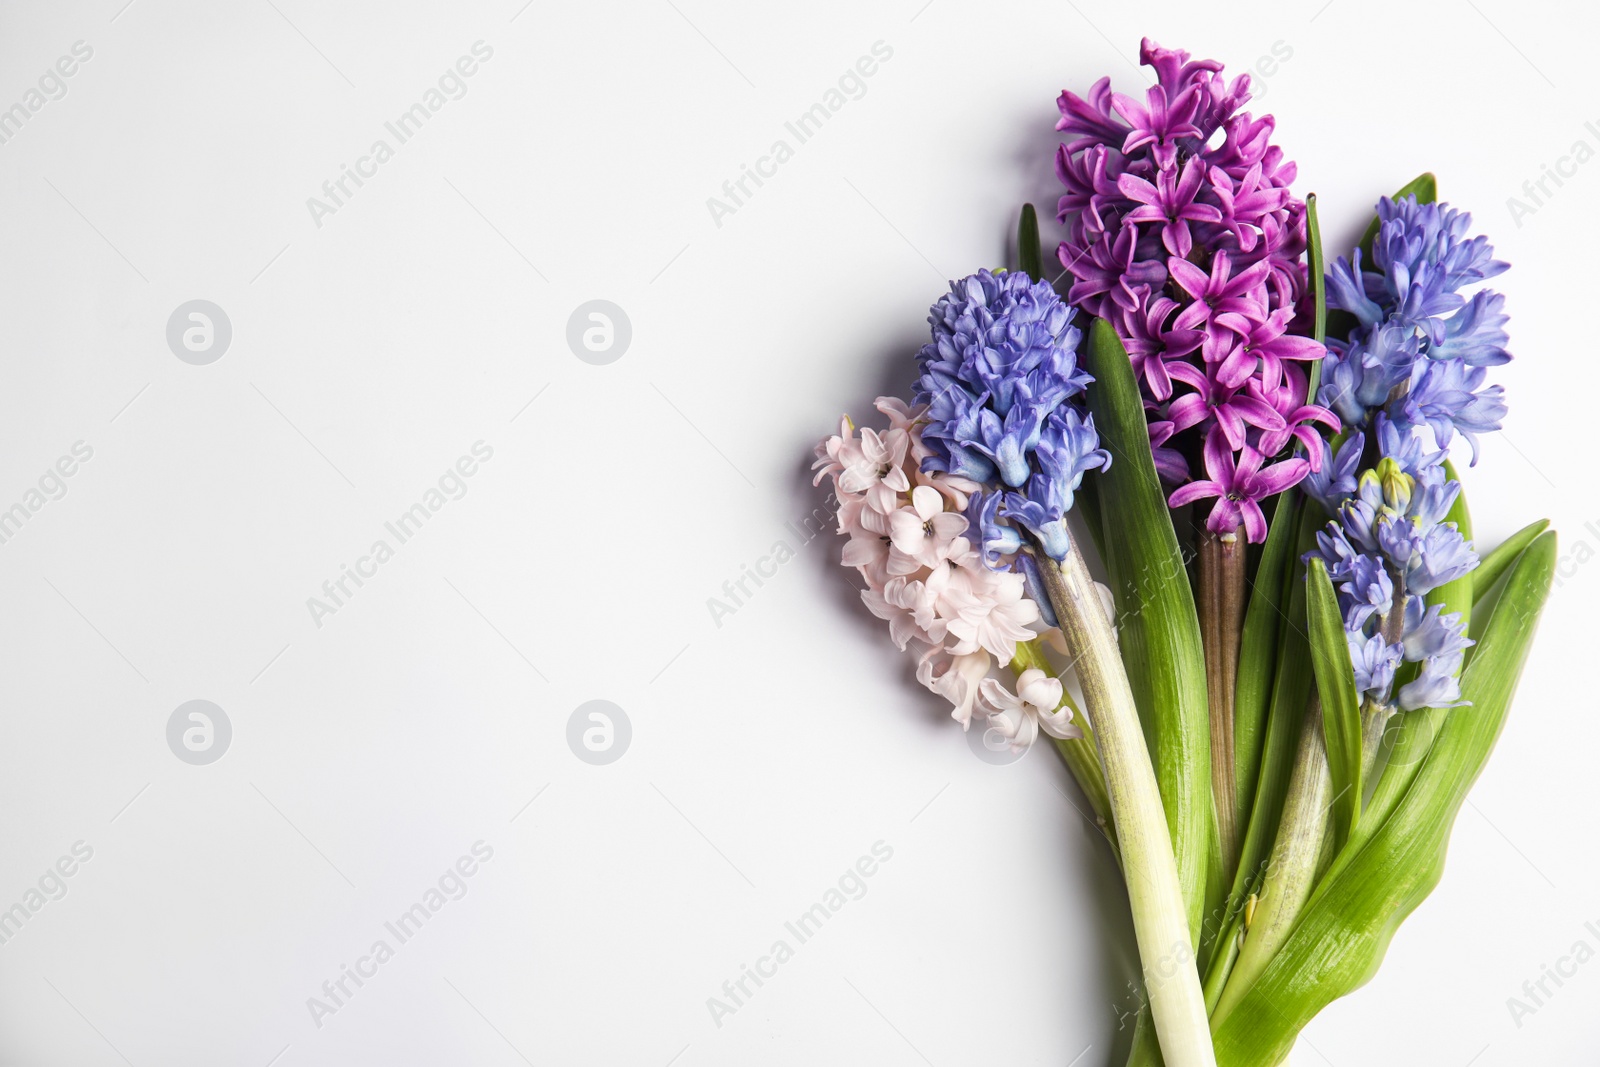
(1170, 202)
(1437, 684)
(1428, 632)
(1386, 551)
(1375, 661)
(1184, 236)
(1225, 306)
(995, 538)
(1336, 481)
(1105, 269)
(1158, 122)
(1419, 347)
(1367, 587)
(1152, 341)
(1238, 486)
(1449, 397)
(1232, 412)
(1002, 385)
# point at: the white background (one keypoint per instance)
(769, 753)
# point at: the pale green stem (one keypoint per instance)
(1291, 871)
(1160, 918)
(1374, 721)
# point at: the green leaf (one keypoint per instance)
(1346, 927)
(1258, 648)
(1158, 629)
(1317, 268)
(1341, 704)
(1030, 260)
(1493, 565)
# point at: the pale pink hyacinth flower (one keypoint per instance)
(1036, 705)
(924, 533)
(874, 465)
(908, 540)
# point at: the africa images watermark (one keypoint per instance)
(52, 885)
(338, 591)
(1538, 191)
(52, 85)
(851, 885)
(452, 85)
(1536, 992)
(337, 992)
(736, 592)
(52, 485)
(851, 85)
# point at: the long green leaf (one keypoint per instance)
(1346, 927)
(1316, 267)
(1258, 650)
(1494, 564)
(1341, 704)
(1030, 260)
(1258, 644)
(1158, 628)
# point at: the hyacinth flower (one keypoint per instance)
(1390, 543)
(976, 566)
(1419, 351)
(1378, 654)
(1184, 236)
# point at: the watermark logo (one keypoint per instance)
(52, 86)
(198, 732)
(991, 746)
(851, 885)
(451, 885)
(337, 592)
(1537, 992)
(338, 191)
(599, 332)
(51, 886)
(52, 485)
(598, 732)
(199, 332)
(1538, 192)
(851, 84)
(1266, 67)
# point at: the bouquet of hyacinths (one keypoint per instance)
(1299, 661)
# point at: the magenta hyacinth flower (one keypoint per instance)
(1184, 236)
(1238, 486)
(1171, 202)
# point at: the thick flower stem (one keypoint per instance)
(1291, 872)
(1160, 917)
(1374, 724)
(1221, 608)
